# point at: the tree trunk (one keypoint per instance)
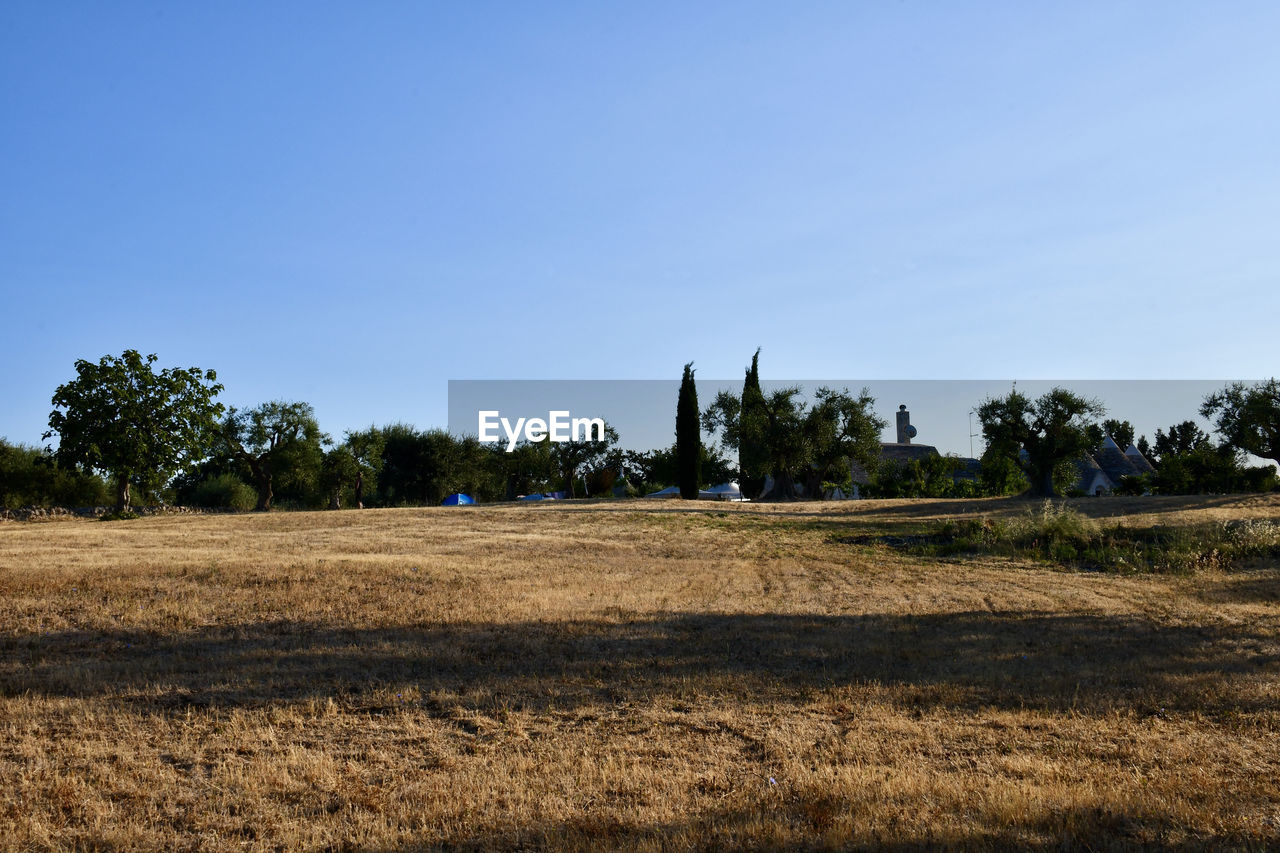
(262, 479)
(813, 485)
(751, 487)
(1045, 486)
(784, 488)
(265, 494)
(122, 494)
(359, 490)
(335, 499)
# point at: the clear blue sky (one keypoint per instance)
(351, 203)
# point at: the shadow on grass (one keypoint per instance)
(967, 659)
(808, 822)
(1247, 585)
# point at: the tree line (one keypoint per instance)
(126, 431)
(1032, 445)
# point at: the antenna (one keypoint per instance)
(971, 434)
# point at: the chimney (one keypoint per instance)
(905, 430)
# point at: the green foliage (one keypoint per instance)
(1189, 463)
(1053, 430)
(745, 431)
(1182, 439)
(688, 437)
(840, 428)
(30, 476)
(406, 460)
(1247, 417)
(1132, 485)
(797, 439)
(526, 470)
(365, 447)
(1001, 474)
(140, 427)
(656, 469)
(423, 467)
(281, 445)
(930, 477)
(224, 491)
(1121, 432)
(600, 481)
(338, 471)
(569, 458)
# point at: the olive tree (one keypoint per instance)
(1053, 429)
(273, 439)
(1247, 417)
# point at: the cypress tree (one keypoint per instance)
(753, 458)
(688, 437)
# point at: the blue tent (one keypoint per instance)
(458, 499)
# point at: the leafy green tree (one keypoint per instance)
(138, 426)
(1180, 440)
(526, 470)
(1188, 462)
(688, 437)
(276, 441)
(423, 467)
(840, 429)
(365, 447)
(338, 471)
(401, 480)
(1247, 417)
(1121, 432)
(1052, 430)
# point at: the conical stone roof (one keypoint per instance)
(1138, 461)
(1113, 462)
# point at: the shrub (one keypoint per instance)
(1059, 534)
(225, 491)
(119, 515)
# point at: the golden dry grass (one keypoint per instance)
(676, 676)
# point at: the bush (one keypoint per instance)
(31, 477)
(120, 515)
(1056, 533)
(1132, 485)
(225, 491)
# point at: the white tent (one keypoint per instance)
(674, 492)
(725, 492)
(668, 492)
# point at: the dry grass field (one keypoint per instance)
(673, 676)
